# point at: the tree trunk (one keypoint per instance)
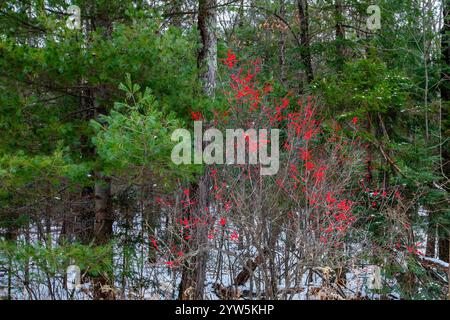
(194, 272)
(83, 208)
(431, 237)
(445, 96)
(444, 249)
(305, 53)
(282, 45)
(103, 284)
(339, 33)
(445, 90)
(207, 56)
(174, 12)
(241, 14)
(448, 276)
(103, 212)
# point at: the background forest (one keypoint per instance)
(359, 208)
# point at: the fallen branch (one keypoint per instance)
(435, 263)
